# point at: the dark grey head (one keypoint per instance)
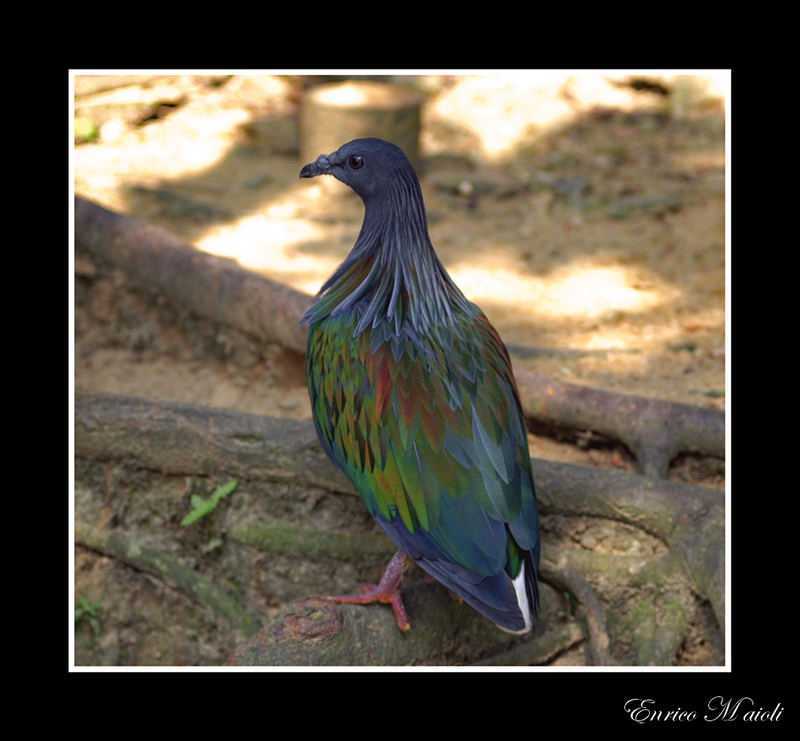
(371, 167)
(407, 286)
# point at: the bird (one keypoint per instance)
(413, 397)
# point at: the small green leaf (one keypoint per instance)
(202, 507)
(86, 610)
(224, 489)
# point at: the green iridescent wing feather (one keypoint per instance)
(430, 430)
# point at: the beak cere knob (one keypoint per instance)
(321, 166)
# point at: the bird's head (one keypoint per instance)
(405, 282)
(372, 167)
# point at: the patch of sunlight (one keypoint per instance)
(595, 291)
(579, 291)
(265, 243)
(500, 109)
(183, 145)
(351, 93)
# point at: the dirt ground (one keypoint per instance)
(584, 214)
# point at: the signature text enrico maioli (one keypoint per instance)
(718, 709)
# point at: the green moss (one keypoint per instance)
(291, 540)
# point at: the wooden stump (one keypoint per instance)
(333, 114)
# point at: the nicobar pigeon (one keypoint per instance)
(413, 397)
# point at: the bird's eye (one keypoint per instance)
(356, 161)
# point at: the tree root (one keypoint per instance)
(167, 568)
(541, 649)
(655, 431)
(185, 439)
(569, 579)
(315, 631)
(217, 288)
(210, 286)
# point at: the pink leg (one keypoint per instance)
(387, 590)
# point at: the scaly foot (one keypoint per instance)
(387, 590)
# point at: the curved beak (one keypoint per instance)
(322, 166)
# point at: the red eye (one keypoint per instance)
(356, 161)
